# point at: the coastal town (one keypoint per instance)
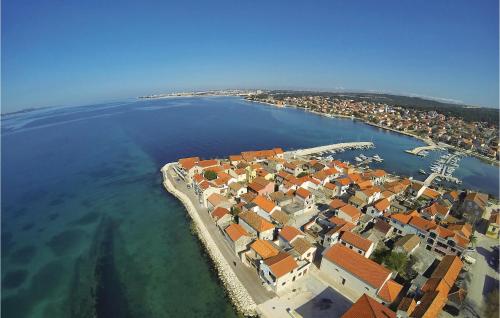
(297, 234)
(475, 138)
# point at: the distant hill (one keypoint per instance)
(467, 112)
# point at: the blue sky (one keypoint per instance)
(78, 52)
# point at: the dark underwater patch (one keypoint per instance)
(65, 241)
(28, 226)
(87, 218)
(53, 216)
(57, 201)
(23, 255)
(14, 279)
(7, 242)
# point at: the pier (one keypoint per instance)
(333, 147)
(434, 175)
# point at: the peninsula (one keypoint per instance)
(289, 230)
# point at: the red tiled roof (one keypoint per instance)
(188, 163)
(365, 269)
(350, 210)
(289, 233)
(367, 307)
(264, 203)
(235, 231)
(356, 240)
(336, 203)
(390, 291)
(303, 193)
(281, 264)
(219, 212)
(255, 221)
(264, 248)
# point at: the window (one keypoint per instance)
(350, 246)
(293, 279)
(360, 252)
(283, 284)
(366, 288)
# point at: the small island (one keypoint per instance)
(289, 230)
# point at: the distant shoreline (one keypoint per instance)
(428, 141)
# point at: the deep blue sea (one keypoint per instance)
(87, 229)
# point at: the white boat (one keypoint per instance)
(358, 159)
(363, 157)
(422, 171)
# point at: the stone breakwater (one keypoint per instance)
(235, 289)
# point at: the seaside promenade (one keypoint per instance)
(244, 288)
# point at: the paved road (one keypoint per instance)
(481, 278)
(247, 276)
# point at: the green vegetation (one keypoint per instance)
(398, 262)
(302, 174)
(210, 175)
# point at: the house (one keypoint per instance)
(261, 186)
(256, 225)
(379, 208)
(303, 249)
(215, 200)
(474, 205)
(383, 229)
(304, 197)
(342, 184)
(494, 225)
(236, 189)
(331, 190)
(238, 237)
(435, 211)
(437, 288)
(407, 244)
(280, 198)
(338, 227)
(369, 195)
(360, 275)
(281, 271)
(357, 243)
(222, 217)
(264, 207)
(336, 204)
(349, 213)
(367, 307)
(287, 234)
(258, 251)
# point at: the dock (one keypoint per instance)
(434, 175)
(333, 147)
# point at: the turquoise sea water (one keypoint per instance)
(87, 227)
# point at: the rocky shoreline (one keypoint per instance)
(239, 296)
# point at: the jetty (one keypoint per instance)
(434, 175)
(332, 147)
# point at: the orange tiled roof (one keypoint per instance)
(289, 233)
(367, 307)
(336, 204)
(356, 240)
(382, 204)
(363, 268)
(264, 248)
(421, 223)
(431, 193)
(255, 221)
(188, 163)
(235, 231)
(219, 212)
(207, 163)
(390, 291)
(281, 264)
(264, 203)
(350, 210)
(303, 193)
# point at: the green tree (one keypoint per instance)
(380, 254)
(210, 175)
(473, 240)
(398, 262)
(302, 174)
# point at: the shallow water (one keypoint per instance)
(87, 227)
